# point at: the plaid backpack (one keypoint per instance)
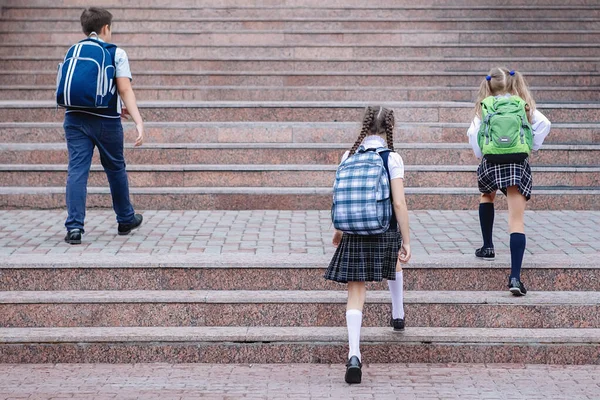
(361, 194)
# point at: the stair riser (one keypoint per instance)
(287, 201)
(416, 113)
(281, 178)
(423, 156)
(327, 353)
(377, 13)
(311, 314)
(287, 79)
(347, 133)
(253, 38)
(481, 279)
(54, 53)
(331, 94)
(328, 66)
(227, 25)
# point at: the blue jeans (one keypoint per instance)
(83, 132)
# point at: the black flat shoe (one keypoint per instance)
(73, 236)
(397, 324)
(487, 253)
(516, 287)
(353, 370)
(125, 229)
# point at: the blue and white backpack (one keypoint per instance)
(361, 194)
(86, 77)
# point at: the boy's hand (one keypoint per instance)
(140, 139)
(404, 253)
(337, 238)
(125, 113)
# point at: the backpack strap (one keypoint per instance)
(385, 155)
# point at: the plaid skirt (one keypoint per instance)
(361, 258)
(491, 177)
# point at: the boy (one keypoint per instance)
(87, 128)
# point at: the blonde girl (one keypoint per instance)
(511, 176)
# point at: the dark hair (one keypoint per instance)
(94, 18)
(376, 121)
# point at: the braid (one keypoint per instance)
(366, 127)
(389, 129)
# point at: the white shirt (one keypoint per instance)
(539, 124)
(395, 163)
(122, 69)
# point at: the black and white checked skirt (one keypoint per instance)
(361, 258)
(491, 177)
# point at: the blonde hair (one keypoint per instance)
(502, 80)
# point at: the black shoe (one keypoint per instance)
(353, 370)
(397, 324)
(487, 253)
(125, 229)
(516, 287)
(73, 236)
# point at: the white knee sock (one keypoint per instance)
(397, 292)
(354, 322)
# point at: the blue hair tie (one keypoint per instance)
(488, 78)
(512, 72)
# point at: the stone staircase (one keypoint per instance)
(251, 107)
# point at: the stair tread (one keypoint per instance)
(581, 336)
(275, 167)
(537, 298)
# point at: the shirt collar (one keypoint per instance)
(95, 37)
(374, 141)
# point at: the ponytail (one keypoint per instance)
(518, 86)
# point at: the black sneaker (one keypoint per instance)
(73, 236)
(353, 370)
(516, 287)
(397, 324)
(125, 229)
(487, 253)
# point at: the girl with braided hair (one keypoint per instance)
(510, 173)
(367, 258)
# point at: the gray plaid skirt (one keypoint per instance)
(361, 258)
(491, 177)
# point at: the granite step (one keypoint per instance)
(256, 175)
(285, 198)
(297, 345)
(302, 4)
(280, 37)
(294, 308)
(301, 93)
(437, 272)
(286, 153)
(285, 132)
(160, 12)
(64, 25)
(47, 111)
(319, 51)
(290, 79)
(364, 65)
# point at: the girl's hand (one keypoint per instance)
(337, 238)
(404, 253)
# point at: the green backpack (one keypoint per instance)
(505, 134)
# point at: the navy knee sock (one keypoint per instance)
(486, 220)
(517, 249)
